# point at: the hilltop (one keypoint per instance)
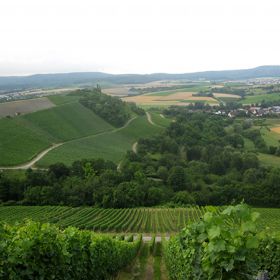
(91, 78)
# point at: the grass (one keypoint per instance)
(20, 141)
(249, 144)
(253, 99)
(60, 99)
(270, 137)
(199, 101)
(157, 260)
(227, 99)
(162, 121)
(269, 160)
(68, 121)
(110, 146)
(22, 137)
(191, 88)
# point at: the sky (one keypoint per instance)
(137, 36)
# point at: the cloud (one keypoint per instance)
(137, 36)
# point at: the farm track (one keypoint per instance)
(30, 164)
(33, 161)
(134, 147)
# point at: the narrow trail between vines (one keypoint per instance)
(148, 265)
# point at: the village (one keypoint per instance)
(250, 111)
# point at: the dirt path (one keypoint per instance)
(30, 164)
(149, 270)
(149, 117)
(134, 148)
(33, 161)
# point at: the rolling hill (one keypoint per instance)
(91, 78)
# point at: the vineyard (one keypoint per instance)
(145, 220)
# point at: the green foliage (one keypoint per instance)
(42, 251)
(218, 247)
(269, 255)
(110, 108)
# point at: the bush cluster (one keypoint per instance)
(43, 251)
(223, 246)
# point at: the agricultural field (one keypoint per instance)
(20, 141)
(111, 145)
(145, 220)
(68, 121)
(82, 133)
(174, 97)
(133, 220)
(25, 136)
(24, 106)
(258, 98)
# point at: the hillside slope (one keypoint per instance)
(21, 138)
(110, 146)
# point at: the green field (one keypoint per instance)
(68, 121)
(111, 146)
(60, 99)
(22, 137)
(138, 220)
(269, 160)
(252, 99)
(159, 120)
(20, 141)
(191, 88)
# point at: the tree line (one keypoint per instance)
(110, 108)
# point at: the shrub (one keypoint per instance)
(43, 251)
(269, 256)
(220, 246)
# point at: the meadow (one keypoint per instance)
(23, 137)
(111, 145)
(258, 98)
(68, 121)
(131, 220)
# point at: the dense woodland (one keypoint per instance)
(199, 159)
(110, 108)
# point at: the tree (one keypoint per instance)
(184, 198)
(177, 178)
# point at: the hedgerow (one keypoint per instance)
(220, 246)
(269, 256)
(43, 251)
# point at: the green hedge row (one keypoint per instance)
(223, 246)
(43, 251)
(269, 256)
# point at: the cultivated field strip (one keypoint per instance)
(142, 220)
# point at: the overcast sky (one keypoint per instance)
(137, 36)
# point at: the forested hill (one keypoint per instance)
(90, 78)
